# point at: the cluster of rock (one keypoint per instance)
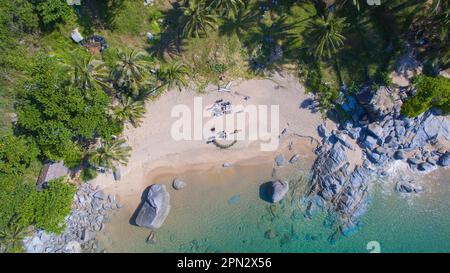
(334, 186)
(155, 207)
(89, 213)
(384, 136)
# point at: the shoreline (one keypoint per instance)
(154, 148)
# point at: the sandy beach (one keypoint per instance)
(154, 149)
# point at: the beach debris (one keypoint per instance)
(226, 88)
(76, 36)
(279, 160)
(223, 146)
(151, 238)
(226, 165)
(150, 36)
(149, 2)
(178, 184)
(278, 190)
(294, 158)
(284, 131)
(95, 43)
(155, 208)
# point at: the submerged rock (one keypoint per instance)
(407, 187)
(278, 190)
(155, 208)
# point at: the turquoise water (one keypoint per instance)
(220, 211)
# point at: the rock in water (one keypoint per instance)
(278, 190)
(178, 184)
(155, 208)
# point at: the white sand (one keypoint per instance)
(154, 148)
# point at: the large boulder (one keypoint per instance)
(278, 190)
(444, 160)
(155, 208)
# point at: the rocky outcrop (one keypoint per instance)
(341, 190)
(155, 207)
(378, 103)
(278, 190)
(91, 207)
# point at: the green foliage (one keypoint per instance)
(88, 174)
(52, 205)
(197, 19)
(16, 19)
(327, 96)
(16, 154)
(110, 153)
(325, 36)
(57, 115)
(53, 11)
(129, 110)
(431, 92)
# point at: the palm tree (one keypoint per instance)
(110, 153)
(173, 75)
(130, 70)
(196, 18)
(325, 35)
(241, 22)
(227, 6)
(89, 73)
(129, 110)
(12, 236)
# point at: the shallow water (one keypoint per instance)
(221, 211)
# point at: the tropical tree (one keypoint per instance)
(109, 153)
(130, 70)
(89, 73)
(227, 6)
(239, 23)
(325, 35)
(129, 110)
(433, 26)
(197, 18)
(12, 236)
(173, 75)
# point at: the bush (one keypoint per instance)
(52, 205)
(88, 174)
(431, 92)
